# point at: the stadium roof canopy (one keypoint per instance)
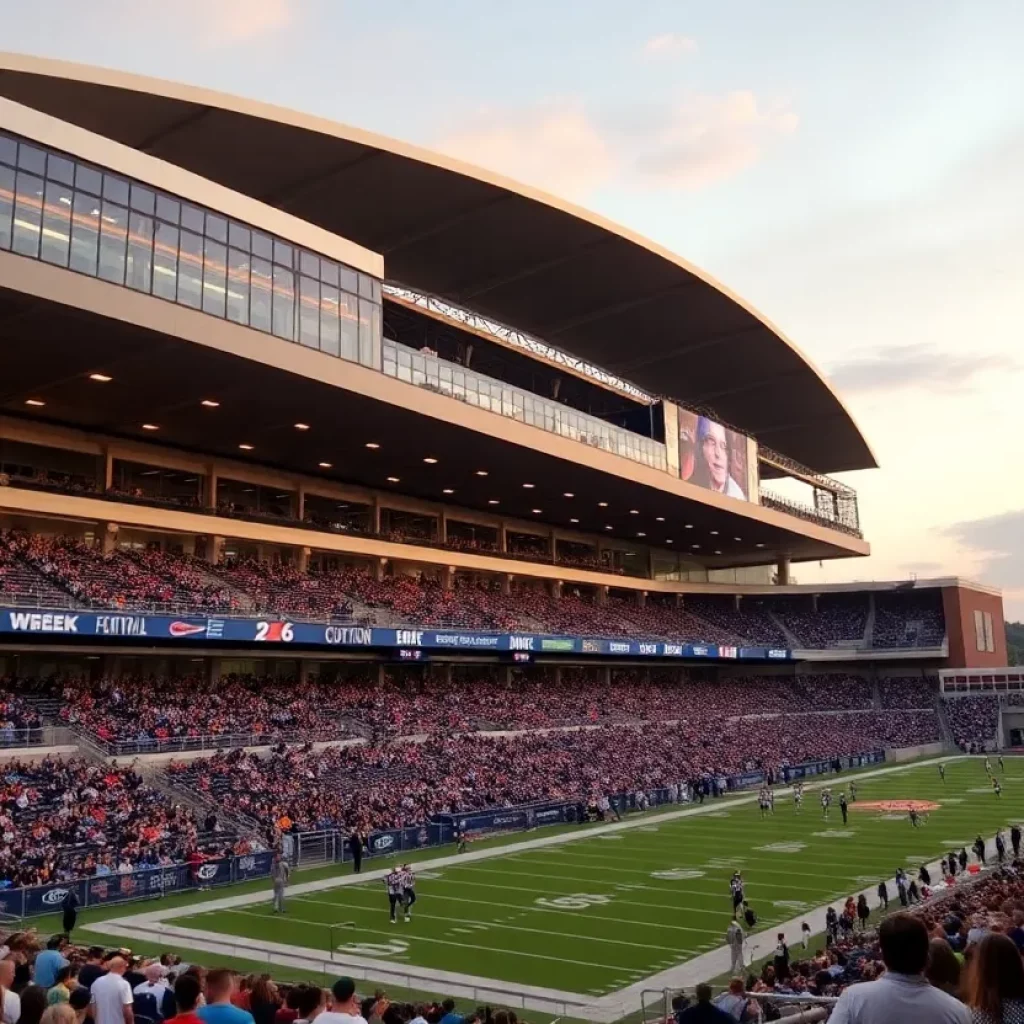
(515, 254)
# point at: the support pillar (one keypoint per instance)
(216, 553)
(379, 568)
(109, 541)
(303, 671)
(553, 546)
(602, 596)
(300, 503)
(381, 674)
(641, 598)
(506, 584)
(556, 589)
(302, 561)
(447, 577)
(782, 571)
(375, 515)
(210, 487)
(607, 675)
(106, 470)
(503, 538)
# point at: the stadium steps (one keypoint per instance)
(869, 622)
(792, 640)
(944, 726)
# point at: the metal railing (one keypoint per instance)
(206, 742)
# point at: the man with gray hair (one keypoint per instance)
(279, 873)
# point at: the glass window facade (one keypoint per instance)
(62, 211)
(435, 374)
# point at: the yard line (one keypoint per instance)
(502, 926)
(442, 942)
(543, 910)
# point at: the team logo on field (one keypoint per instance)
(396, 948)
(896, 805)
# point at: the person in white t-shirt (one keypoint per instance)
(347, 1008)
(12, 1001)
(112, 995)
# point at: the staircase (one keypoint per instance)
(944, 730)
(792, 640)
(869, 624)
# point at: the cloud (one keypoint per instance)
(554, 145)
(995, 541)
(212, 23)
(685, 144)
(669, 44)
(897, 367)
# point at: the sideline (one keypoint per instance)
(156, 926)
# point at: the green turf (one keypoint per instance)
(597, 914)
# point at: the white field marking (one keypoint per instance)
(538, 910)
(610, 838)
(445, 942)
(460, 931)
(396, 948)
(836, 833)
(725, 863)
(892, 817)
(866, 878)
(678, 874)
(572, 901)
(648, 828)
(718, 814)
(955, 842)
(430, 875)
(793, 905)
(956, 799)
(784, 847)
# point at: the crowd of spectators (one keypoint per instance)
(67, 818)
(152, 709)
(20, 722)
(974, 721)
(388, 785)
(68, 567)
(908, 692)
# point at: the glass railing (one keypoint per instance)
(429, 371)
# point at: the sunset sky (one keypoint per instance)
(856, 171)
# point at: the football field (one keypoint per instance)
(599, 913)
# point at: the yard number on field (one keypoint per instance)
(576, 901)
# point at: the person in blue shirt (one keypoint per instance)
(450, 1016)
(704, 1011)
(50, 961)
(220, 986)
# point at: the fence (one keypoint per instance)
(657, 1005)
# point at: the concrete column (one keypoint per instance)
(375, 514)
(607, 675)
(641, 598)
(212, 667)
(109, 541)
(782, 570)
(447, 577)
(107, 468)
(553, 547)
(502, 537)
(381, 674)
(210, 487)
(216, 552)
(602, 596)
(379, 568)
(442, 526)
(448, 673)
(506, 584)
(302, 562)
(300, 502)
(508, 676)
(556, 589)
(303, 670)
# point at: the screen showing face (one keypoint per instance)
(713, 457)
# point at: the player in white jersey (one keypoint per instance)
(408, 879)
(798, 797)
(393, 884)
(762, 801)
(988, 766)
(771, 799)
(826, 802)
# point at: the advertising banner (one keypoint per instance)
(100, 625)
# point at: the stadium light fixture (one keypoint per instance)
(100, 378)
(392, 479)
(669, 541)
(493, 501)
(325, 465)
(688, 526)
(536, 511)
(758, 545)
(529, 487)
(430, 460)
(641, 534)
(717, 552)
(714, 533)
(634, 511)
(150, 426)
(568, 494)
(659, 519)
(607, 527)
(481, 472)
(246, 447)
(573, 520)
(372, 444)
(448, 490)
(302, 426)
(36, 403)
(737, 539)
(695, 545)
(602, 504)
(209, 403)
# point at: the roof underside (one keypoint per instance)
(515, 257)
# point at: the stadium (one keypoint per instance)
(347, 490)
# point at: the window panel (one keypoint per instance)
(113, 242)
(59, 168)
(31, 159)
(283, 254)
(369, 333)
(348, 324)
(88, 179)
(262, 245)
(214, 277)
(139, 272)
(190, 269)
(329, 334)
(165, 260)
(365, 286)
(216, 227)
(56, 240)
(238, 285)
(309, 312)
(284, 303)
(309, 264)
(85, 233)
(6, 204)
(115, 189)
(329, 272)
(143, 199)
(168, 209)
(192, 218)
(28, 214)
(348, 280)
(239, 236)
(8, 150)
(262, 293)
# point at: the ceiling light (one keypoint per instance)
(325, 465)
(372, 444)
(150, 426)
(447, 490)
(302, 426)
(37, 402)
(607, 527)
(430, 460)
(529, 487)
(641, 534)
(568, 494)
(659, 519)
(634, 511)
(493, 501)
(481, 472)
(669, 541)
(535, 511)
(718, 552)
(688, 526)
(758, 545)
(737, 539)
(602, 504)
(695, 545)
(100, 378)
(210, 403)
(246, 447)
(714, 533)
(573, 520)
(392, 479)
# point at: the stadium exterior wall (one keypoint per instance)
(969, 648)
